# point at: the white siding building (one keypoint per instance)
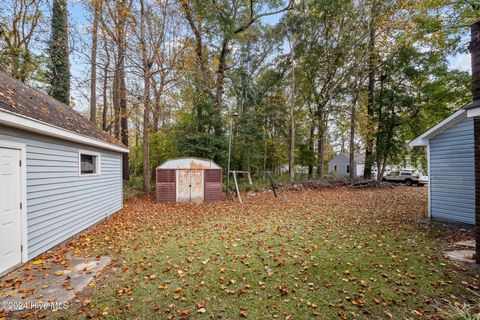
(59, 173)
(340, 165)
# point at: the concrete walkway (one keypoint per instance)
(47, 284)
(466, 254)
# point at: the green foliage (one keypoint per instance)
(414, 85)
(20, 62)
(59, 66)
(162, 148)
(199, 133)
(18, 29)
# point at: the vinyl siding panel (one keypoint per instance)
(452, 174)
(60, 203)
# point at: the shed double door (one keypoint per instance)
(190, 186)
(10, 212)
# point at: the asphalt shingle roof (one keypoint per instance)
(16, 97)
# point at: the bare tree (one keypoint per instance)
(115, 22)
(147, 65)
(291, 165)
(96, 5)
(17, 32)
(234, 19)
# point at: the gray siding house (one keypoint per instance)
(453, 153)
(340, 164)
(451, 165)
(59, 173)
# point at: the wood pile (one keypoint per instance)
(370, 184)
(316, 184)
(336, 183)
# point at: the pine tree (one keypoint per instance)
(59, 66)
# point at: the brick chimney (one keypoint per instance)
(475, 56)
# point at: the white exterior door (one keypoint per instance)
(183, 185)
(196, 192)
(10, 211)
(190, 185)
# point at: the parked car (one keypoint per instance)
(409, 177)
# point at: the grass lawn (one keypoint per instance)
(333, 253)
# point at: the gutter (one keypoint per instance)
(15, 120)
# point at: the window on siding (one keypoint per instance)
(89, 164)
(348, 168)
(335, 168)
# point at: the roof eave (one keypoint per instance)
(418, 142)
(22, 122)
(473, 112)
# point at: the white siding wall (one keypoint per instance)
(452, 174)
(60, 204)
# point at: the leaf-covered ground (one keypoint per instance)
(333, 253)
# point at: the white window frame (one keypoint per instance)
(97, 163)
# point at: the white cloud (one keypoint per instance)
(460, 62)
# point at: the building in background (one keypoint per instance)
(340, 164)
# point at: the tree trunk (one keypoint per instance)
(321, 141)
(381, 171)
(146, 103)
(105, 94)
(156, 112)
(311, 147)
(221, 75)
(93, 71)
(58, 50)
(380, 147)
(292, 145)
(105, 81)
(265, 149)
(292, 113)
(367, 174)
(353, 168)
(116, 101)
(122, 91)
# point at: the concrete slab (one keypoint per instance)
(48, 284)
(466, 243)
(461, 255)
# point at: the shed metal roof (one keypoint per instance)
(189, 163)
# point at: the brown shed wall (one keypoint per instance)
(213, 185)
(166, 188)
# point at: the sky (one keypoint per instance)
(460, 62)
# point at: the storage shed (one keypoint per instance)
(189, 180)
(59, 173)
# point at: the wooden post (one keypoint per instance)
(236, 186)
(249, 179)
